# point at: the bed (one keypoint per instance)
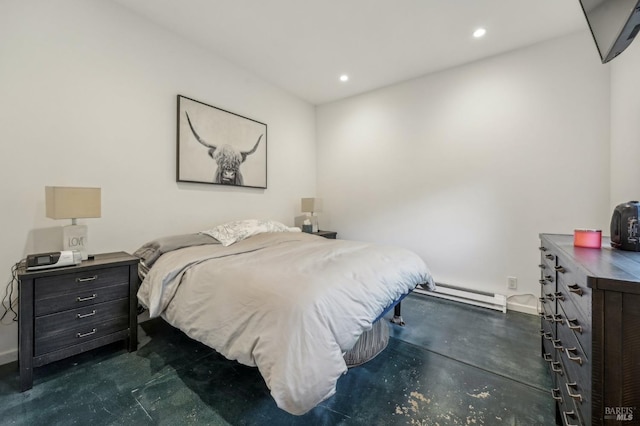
(287, 302)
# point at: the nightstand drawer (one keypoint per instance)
(81, 298)
(79, 334)
(82, 317)
(47, 287)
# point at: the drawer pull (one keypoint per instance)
(553, 318)
(84, 280)
(575, 288)
(542, 282)
(559, 269)
(547, 336)
(553, 296)
(84, 299)
(572, 354)
(542, 266)
(547, 357)
(548, 278)
(555, 394)
(541, 248)
(558, 318)
(81, 335)
(542, 299)
(573, 325)
(576, 396)
(90, 314)
(555, 367)
(549, 256)
(557, 344)
(572, 413)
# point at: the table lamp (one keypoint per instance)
(64, 202)
(313, 206)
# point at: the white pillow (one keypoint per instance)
(238, 230)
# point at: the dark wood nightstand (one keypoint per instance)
(327, 234)
(69, 310)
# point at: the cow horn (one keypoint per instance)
(247, 153)
(196, 134)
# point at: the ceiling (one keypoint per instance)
(303, 46)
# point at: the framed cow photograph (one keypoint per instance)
(220, 147)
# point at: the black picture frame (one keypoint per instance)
(219, 147)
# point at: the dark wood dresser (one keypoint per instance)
(69, 310)
(590, 316)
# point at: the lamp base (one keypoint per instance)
(314, 223)
(74, 237)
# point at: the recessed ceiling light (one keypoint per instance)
(344, 78)
(480, 32)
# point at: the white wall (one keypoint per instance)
(467, 166)
(88, 98)
(625, 126)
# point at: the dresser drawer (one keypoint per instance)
(547, 268)
(548, 256)
(547, 271)
(547, 332)
(547, 303)
(80, 298)
(572, 283)
(577, 377)
(48, 287)
(549, 318)
(550, 355)
(575, 323)
(570, 409)
(79, 334)
(89, 316)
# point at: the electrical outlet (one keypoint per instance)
(512, 283)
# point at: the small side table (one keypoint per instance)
(69, 310)
(327, 234)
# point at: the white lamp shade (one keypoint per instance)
(311, 205)
(64, 202)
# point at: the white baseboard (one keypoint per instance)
(8, 356)
(519, 307)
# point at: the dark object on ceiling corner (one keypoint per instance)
(613, 24)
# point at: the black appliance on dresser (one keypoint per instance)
(590, 327)
(625, 231)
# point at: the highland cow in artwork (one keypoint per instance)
(236, 144)
(227, 158)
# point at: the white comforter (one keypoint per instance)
(289, 303)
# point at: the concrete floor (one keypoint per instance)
(452, 364)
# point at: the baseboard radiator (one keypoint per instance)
(465, 295)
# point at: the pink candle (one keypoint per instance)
(591, 238)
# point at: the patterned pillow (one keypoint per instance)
(238, 230)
